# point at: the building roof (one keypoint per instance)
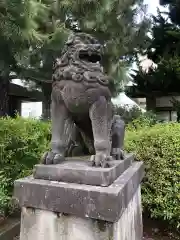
(125, 101)
(24, 93)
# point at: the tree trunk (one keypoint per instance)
(4, 97)
(46, 104)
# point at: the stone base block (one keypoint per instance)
(77, 170)
(68, 210)
(39, 224)
(103, 203)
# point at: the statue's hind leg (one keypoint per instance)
(101, 118)
(118, 132)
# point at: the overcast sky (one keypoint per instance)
(152, 5)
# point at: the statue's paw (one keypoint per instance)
(52, 158)
(100, 160)
(118, 154)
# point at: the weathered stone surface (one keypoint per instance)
(44, 225)
(130, 225)
(81, 100)
(76, 170)
(104, 203)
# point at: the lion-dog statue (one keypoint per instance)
(81, 98)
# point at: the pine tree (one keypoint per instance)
(174, 9)
(164, 50)
(19, 31)
(113, 23)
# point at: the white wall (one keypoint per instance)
(33, 110)
(29, 109)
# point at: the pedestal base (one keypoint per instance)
(45, 225)
(77, 170)
(76, 208)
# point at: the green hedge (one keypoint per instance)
(21, 145)
(159, 147)
(23, 141)
(130, 114)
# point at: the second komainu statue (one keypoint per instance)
(81, 110)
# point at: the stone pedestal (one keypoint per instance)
(57, 206)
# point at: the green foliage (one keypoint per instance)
(147, 119)
(166, 76)
(19, 29)
(174, 7)
(5, 198)
(165, 39)
(21, 144)
(128, 115)
(135, 116)
(159, 148)
(164, 50)
(23, 141)
(32, 34)
(114, 24)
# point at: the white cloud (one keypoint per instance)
(152, 6)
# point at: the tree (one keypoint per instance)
(37, 71)
(164, 50)
(165, 41)
(174, 9)
(163, 79)
(113, 23)
(20, 32)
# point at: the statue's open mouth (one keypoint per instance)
(88, 56)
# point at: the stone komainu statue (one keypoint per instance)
(81, 104)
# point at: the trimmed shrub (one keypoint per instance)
(159, 148)
(147, 119)
(128, 114)
(135, 113)
(21, 144)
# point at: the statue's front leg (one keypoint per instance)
(101, 118)
(61, 133)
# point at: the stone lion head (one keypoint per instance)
(83, 49)
(81, 60)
